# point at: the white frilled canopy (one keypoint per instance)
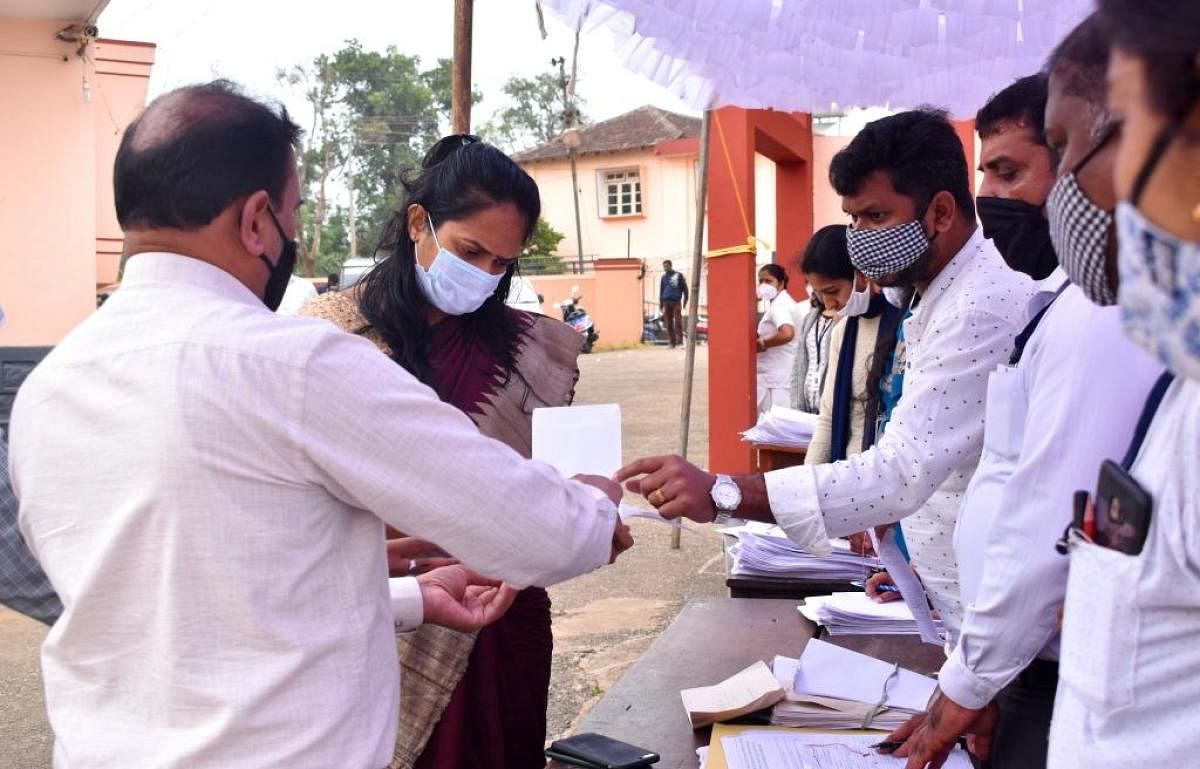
(815, 55)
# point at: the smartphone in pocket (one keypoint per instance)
(596, 751)
(1123, 510)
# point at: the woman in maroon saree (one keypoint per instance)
(467, 700)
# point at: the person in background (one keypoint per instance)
(299, 292)
(205, 482)
(847, 410)
(672, 298)
(1127, 695)
(23, 585)
(904, 184)
(816, 329)
(776, 343)
(1069, 400)
(468, 700)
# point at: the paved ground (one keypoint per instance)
(602, 622)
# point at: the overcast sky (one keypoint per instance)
(247, 40)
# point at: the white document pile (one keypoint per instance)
(781, 426)
(817, 712)
(755, 749)
(763, 550)
(753, 689)
(856, 614)
(831, 671)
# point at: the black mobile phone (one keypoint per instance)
(1123, 510)
(596, 751)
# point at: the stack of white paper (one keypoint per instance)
(767, 552)
(856, 614)
(817, 712)
(781, 426)
(758, 749)
(831, 671)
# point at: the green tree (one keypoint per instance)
(538, 258)
(534, 115)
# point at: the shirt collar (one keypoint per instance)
(957, 264)
(1051, 283)
(159, 267)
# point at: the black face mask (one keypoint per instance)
(1021, 233)
(281, 270)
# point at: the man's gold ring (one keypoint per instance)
(657, 499)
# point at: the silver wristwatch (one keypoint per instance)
(726, 496)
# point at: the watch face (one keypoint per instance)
(726, 495)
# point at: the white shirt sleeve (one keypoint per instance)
(935, 429)
(781, 313)
(408, 608)
(1085, 395)
(379, 440)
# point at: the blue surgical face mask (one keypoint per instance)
(455, 286)
(1159, 291)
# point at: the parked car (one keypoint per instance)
(353, 270)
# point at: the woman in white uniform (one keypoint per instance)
(776, 338)
(1130, 655)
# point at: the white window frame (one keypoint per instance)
(620, 192)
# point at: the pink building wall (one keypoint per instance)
(56, 152)
(612, 295)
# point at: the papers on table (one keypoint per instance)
(763, 550)
(831, 671)
(782, 426)
(815, 711)
(579, 439)
(754, 749)
(853, 613)
(752, 689)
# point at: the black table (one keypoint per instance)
(710, 640)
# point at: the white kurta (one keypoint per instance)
(1129, 676)
(1072, 402)
(203, 482)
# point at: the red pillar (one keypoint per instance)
(732, 390)
(794, 219)
(966, 134)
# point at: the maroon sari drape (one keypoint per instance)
(496, 716)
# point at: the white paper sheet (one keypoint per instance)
(910, 586)
(853, 613)
(832, 671)
(783, 750)
(579, 439)
(627, 511)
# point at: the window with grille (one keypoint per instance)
(622, 193)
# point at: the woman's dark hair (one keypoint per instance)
(776, 272)
(196, 150)
(826, 254)
(1165, 35)
(459, 176)
(918, 150)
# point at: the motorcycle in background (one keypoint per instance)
(577, 318)
(654, 329)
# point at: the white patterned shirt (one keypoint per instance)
(203, 482)
(961, 329)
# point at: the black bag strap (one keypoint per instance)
(1023, 337)
(1153, 401)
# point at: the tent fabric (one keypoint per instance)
(822, 55)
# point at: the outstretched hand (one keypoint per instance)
(458, 598)
(676, 487)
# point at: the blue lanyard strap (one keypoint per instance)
(1153, 400)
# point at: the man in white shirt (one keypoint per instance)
(903, 182)
(204, 482)
(1069, 400)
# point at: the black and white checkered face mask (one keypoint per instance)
(886, 251)
(1079, 232)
